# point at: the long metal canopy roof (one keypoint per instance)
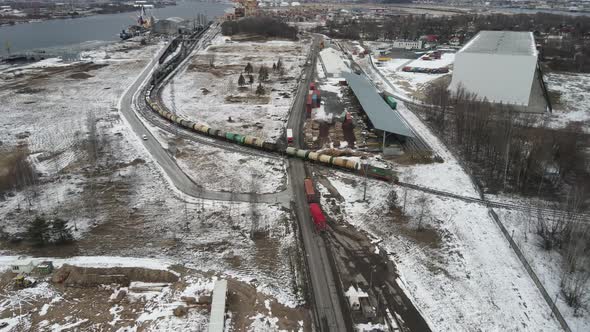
(381, 115)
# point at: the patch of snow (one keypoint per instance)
(370, 327)
(334, 61)
(44, 309)
(574, 99)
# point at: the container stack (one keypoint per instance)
(313, 99)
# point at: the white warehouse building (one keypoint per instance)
(501, 66)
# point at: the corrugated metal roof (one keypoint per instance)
(175, 19)
(502, 42)
(217, 319)
(381, 115)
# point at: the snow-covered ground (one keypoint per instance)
(460, 271)
(334, 61)
(574, 100)
(469, 278)
(125, 206)
(407, 83)
(211, 95)
(548, 265)
(445, 60)
(242, 172)
(52, 111)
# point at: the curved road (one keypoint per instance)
(173, 172)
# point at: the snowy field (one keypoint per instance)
(54, 107)
(211, 95)
(574, 99)
(459, 270)
(242, 172)
(547, 264)
(115, 197)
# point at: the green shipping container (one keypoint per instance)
(239, 138)
(392, 102)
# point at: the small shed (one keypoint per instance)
(45, 267)
(22, 265)
(354, 297)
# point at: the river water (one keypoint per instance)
(80, 33)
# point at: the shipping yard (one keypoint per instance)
(273, 170)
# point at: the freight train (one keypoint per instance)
(170, 49)
(255, 142)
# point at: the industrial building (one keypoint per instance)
(408, 44)
(382, 117)
(170, 26)
(501, 66)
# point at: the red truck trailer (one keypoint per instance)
(309, 105)
(309, 192)
(318, 217)
(289, 135)
(312, 86)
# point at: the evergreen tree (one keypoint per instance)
(260, 89)
(263, 74)
(249, 69)
(274, 66)
(38, 232)
(251, 80)
(62, 233)
(279, 64)
(241, 80)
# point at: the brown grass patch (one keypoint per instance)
(80, 76)
(15, 169)
(249, 99)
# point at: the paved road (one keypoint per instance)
(326, 305)
(173, 172)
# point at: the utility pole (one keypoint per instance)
(508, 149)
(366, 166)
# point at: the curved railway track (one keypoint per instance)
(157, 121)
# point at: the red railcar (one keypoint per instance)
(309, 192)
(312, 86)
(318, 217)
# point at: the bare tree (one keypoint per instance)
(211, 60)
(422, 203)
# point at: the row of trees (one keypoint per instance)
(570, 53)
(507, 149)
(510, 151)
(414, 26)
(42, 232)
(260, 25)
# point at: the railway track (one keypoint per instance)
(157, 121)
(581, 217)
(179, 131)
